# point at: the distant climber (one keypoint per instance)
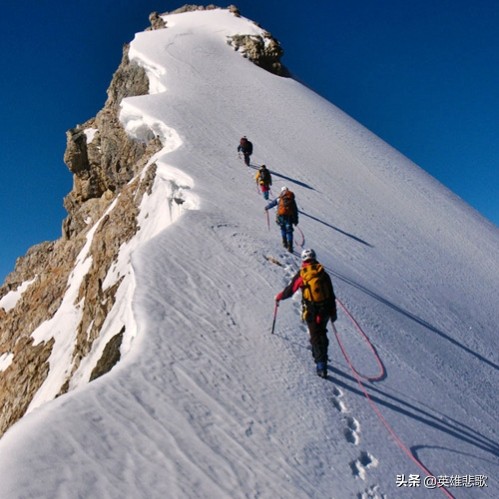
(246, 148)
(318, 305)
(264, 180)
(287, 216)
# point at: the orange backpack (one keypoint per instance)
(286, 204)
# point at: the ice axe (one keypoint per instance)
(275, 316)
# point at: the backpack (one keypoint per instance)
(245, 146)
(264, 177)
(315, 286)
(286, 204)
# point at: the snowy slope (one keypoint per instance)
(208, 403)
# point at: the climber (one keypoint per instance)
(246, 148)
(286, 217)
(264, 180)
(318, 304)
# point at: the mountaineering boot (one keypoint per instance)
(321, 369)
(285, 242)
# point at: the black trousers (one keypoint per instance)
(318, 337)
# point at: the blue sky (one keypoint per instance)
(423, 75)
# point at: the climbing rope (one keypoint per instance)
(359, 377)
(382, 371)
(302, 237)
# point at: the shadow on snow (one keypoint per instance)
(336, 229)
(289, 179)
(438, 421)
(413, 317)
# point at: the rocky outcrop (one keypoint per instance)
(115, 229)
(157, 22)
(106, 193)
(265, 51)
(21, 381)
(99, 153)
(192, 8)
(48, 266)
(110, 356)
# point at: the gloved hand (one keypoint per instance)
(278, 297)
(333, 315)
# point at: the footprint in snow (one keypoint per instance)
(352, 431)
(372, 492)
(362, 463)
(249, 429)
(337, 402)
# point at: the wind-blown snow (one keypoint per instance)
(208, 403)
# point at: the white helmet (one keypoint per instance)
(307, 254)
(284, 189)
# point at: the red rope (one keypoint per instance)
(382, 370)
(373, 405)
(302, 237)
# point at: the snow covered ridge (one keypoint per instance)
(77, 311)
(75, 321)
(254, 43)
(209, 403)
(79, 317)
(83, 326)
(161, 206)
